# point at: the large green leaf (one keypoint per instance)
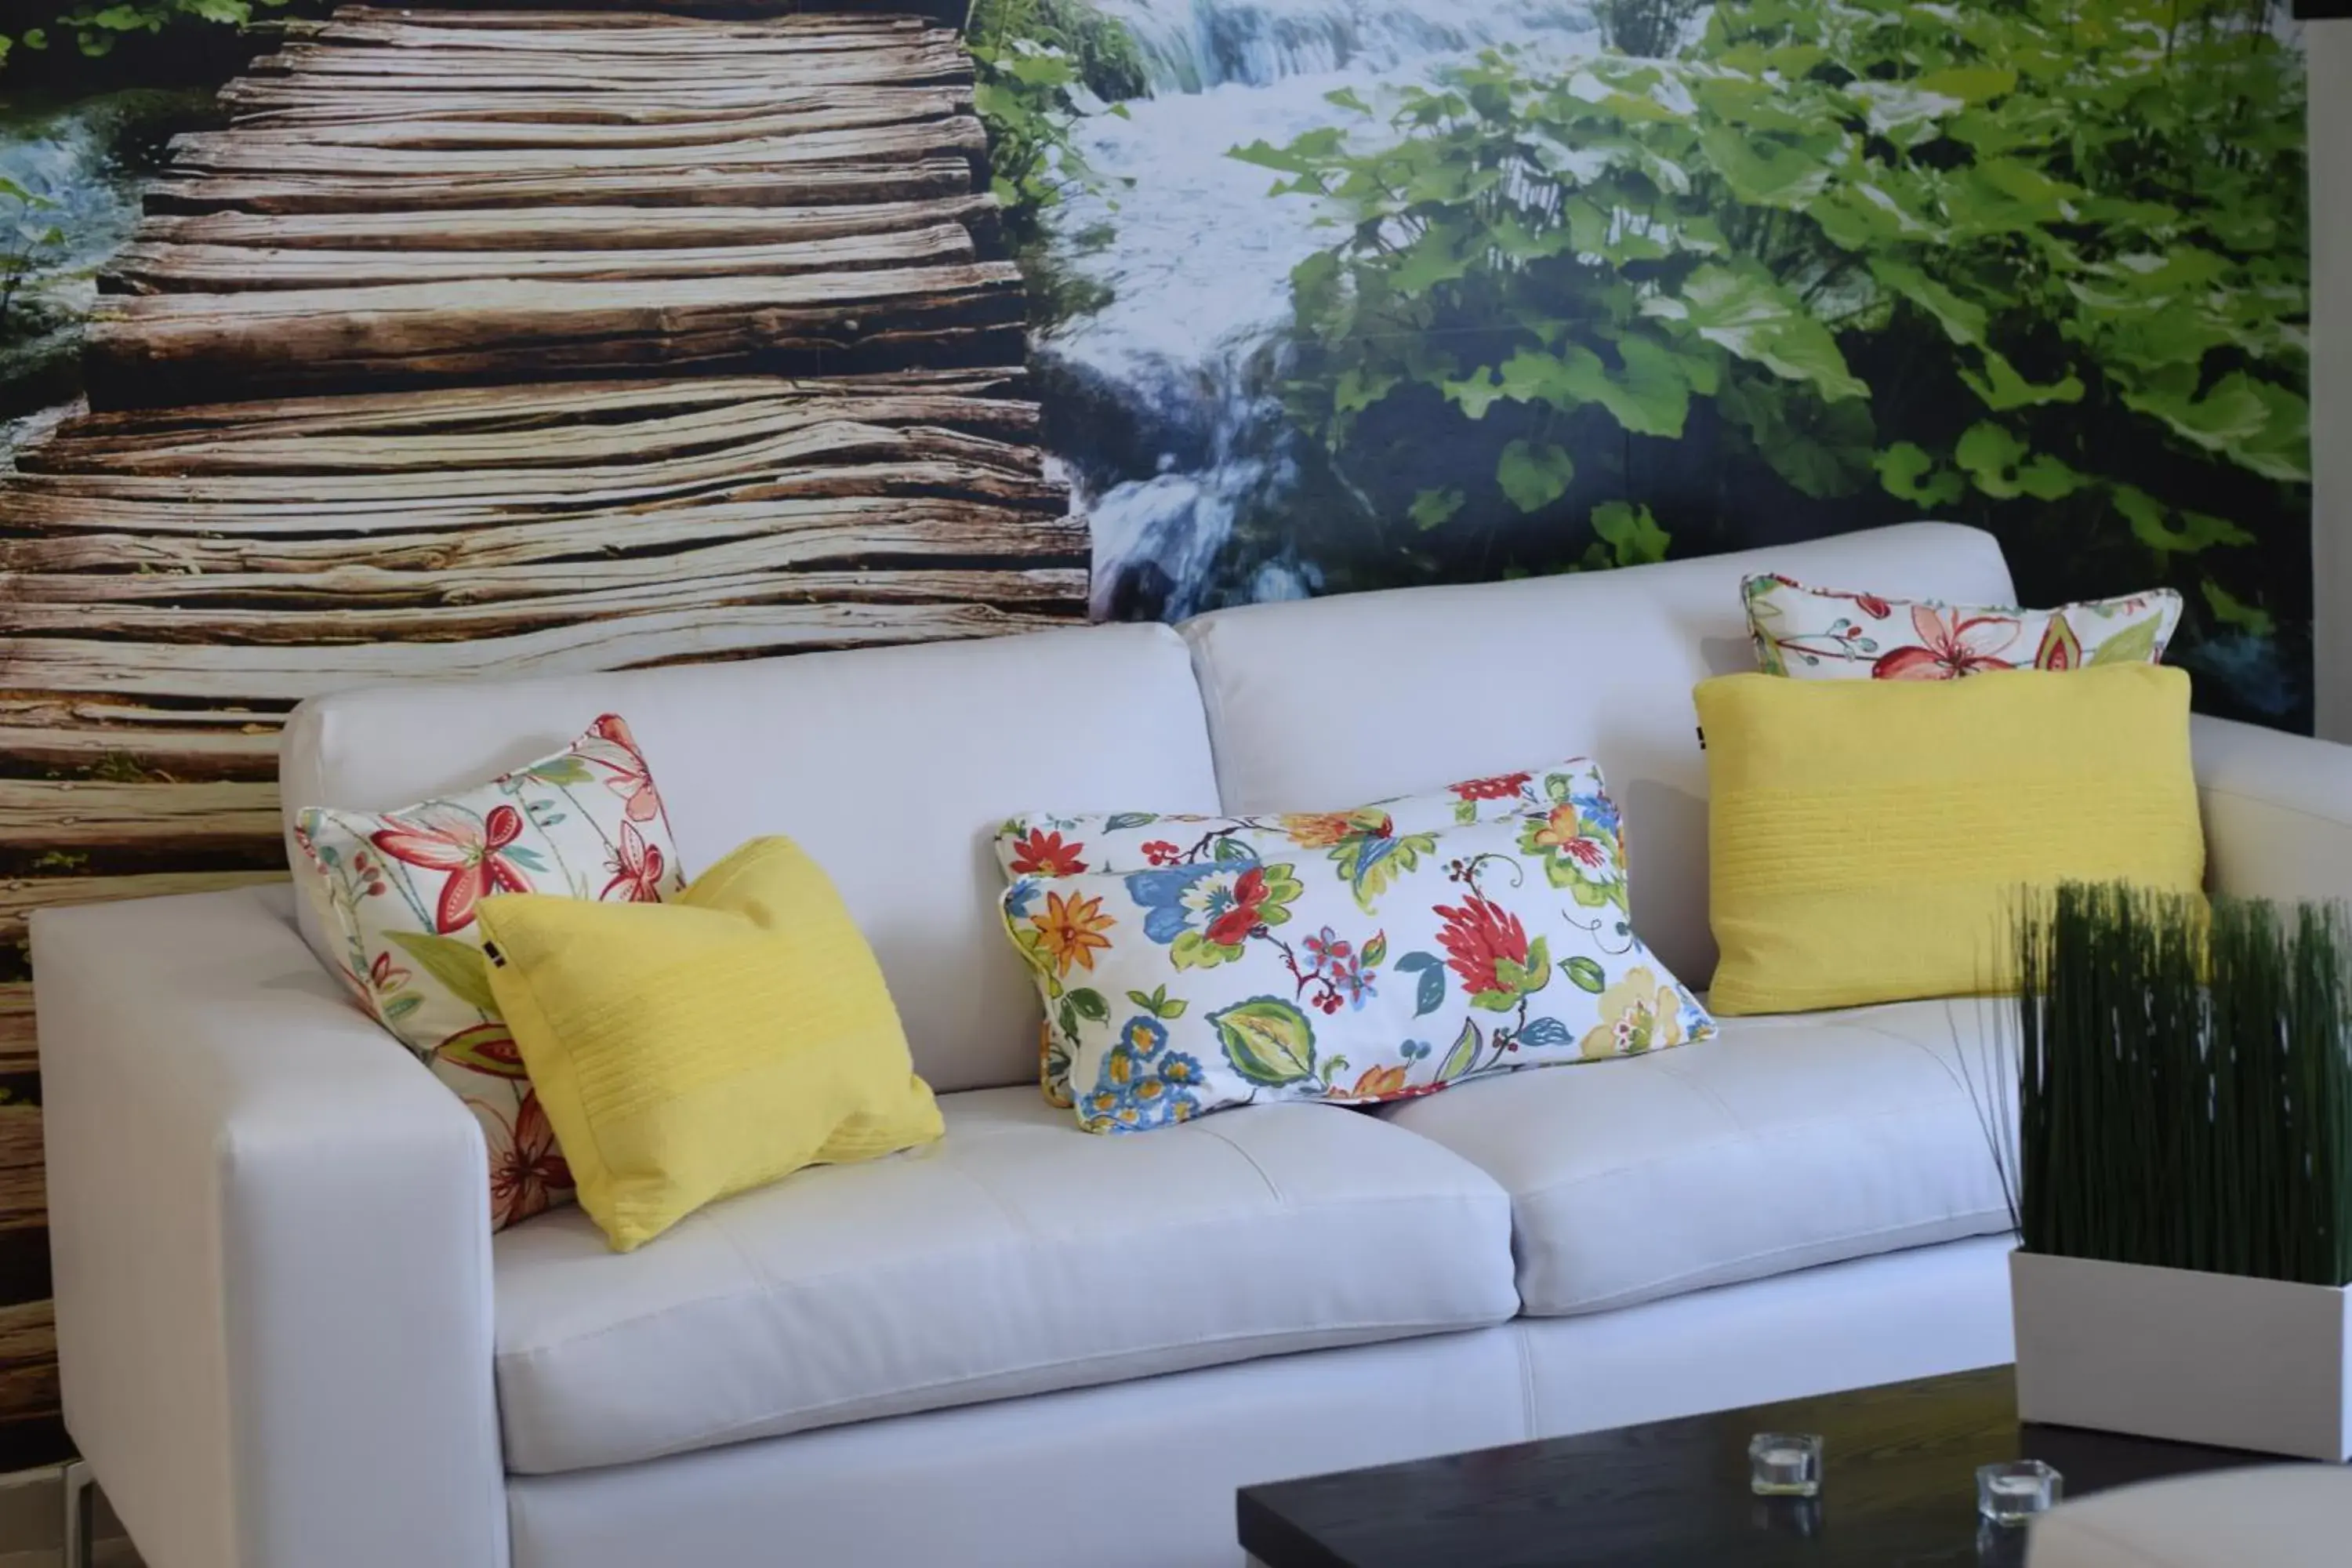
(2004, 467)
(2232, 611)
(2152, 524)
(459, 966)
(1631, 532)
(1757, 318)
(1534, 475)
(1269, 1041)
(1907, 472)
(1963, 322)
(2003, 390)
(1765, 172)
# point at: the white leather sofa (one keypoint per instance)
(289, 1339)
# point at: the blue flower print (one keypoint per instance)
(1142, 1085)
(1179, 898)
(1599, 811)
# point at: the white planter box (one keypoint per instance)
(2196, 1358)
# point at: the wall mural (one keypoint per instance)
(555, 335)
(1355, 293)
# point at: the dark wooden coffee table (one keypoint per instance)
(1899, 1491)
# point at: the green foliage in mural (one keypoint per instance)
(1102, 50)
(2039, 264)
(28, 236)
(1043, 65)
(95, 27)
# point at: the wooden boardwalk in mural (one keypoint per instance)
(498, 343)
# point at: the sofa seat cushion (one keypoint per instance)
(1017, 1255)
(1784, 1142)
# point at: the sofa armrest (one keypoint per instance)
(2278, 811)
(271, 1245)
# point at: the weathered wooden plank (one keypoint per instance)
(524, 406)
(869, 531)
(428, 31)
(21, 896)
(777, 450)
(143, 349)
(523, 125)
(201, 269)
(937, 58)
(654, 508)
(79, 817)
(624, 16)
(19, 1052)
(440, 457)
(71, 601)
(422, 119)
(282, 610)
(602, 126)
(270, 103)
(85, 738)
(29, 1350)
(235, 152)
(682, 187)
(260, 673)
(373, 49)
(571, 229)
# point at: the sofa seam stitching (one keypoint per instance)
(1636, 1295)
(2307, 814)
(1390, 1333)
(1204, 1223)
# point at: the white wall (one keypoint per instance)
(2330, 46)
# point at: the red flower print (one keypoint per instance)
(1231, 928)
(1502, 788)
(636, 868)
(450, 838)
(383, 974)
(1040, 854)
(1475, 937)
(1871, 605)
(1160, 852)
(1952, 646)
(609, 745)
(531, 1171)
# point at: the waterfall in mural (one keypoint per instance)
(1182, 360)
(1345, 294)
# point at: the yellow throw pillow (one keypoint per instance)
(688, 1051)
(1868, 839)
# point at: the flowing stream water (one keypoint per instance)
(1164, 402)
(81, 163)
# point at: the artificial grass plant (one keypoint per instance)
(2184, 1084)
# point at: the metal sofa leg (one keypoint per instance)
(81, 1515)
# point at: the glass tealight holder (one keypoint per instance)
(2017, 1490)
(1784, 1464)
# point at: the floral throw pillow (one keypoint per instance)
(398, 891)
(1358, 957)
(1817, 635)
(1369, 842)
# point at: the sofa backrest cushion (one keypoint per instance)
(891, 767)
(1354, 699)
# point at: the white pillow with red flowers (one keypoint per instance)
(398, 892)
(1189, 964)
(1817, 634)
